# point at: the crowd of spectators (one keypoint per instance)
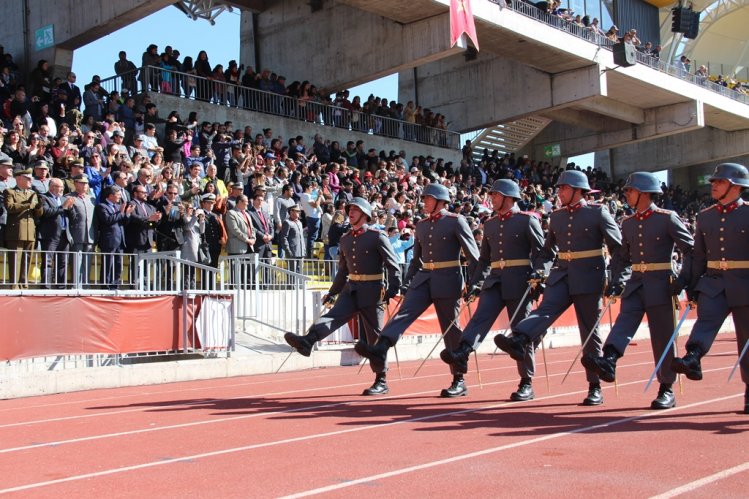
(204, 187)
(269, 92)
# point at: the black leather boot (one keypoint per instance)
(595, 397)
(457, 388)
(689, 365)
(515, 345)
(457, 358)
(302, 344)
(604, 367)
(377, 353)
(524, 391)
(665, 398)
(379, 387)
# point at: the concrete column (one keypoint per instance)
(247, 45)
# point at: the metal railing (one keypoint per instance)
(274, 299)
(530, 10)
(169, 82)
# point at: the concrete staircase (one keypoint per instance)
(507, 137)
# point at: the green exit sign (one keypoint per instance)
(44, 37)
(553, 151)
(703, 179)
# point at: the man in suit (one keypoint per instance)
(362, 288)
(169, 230)
(511, 244)
(72, 91)
(23, 207)
(262, 223)
(577, 233)
(139, 236)
(435, 277)
(648, 240)
(241, 237)
(81, 226)
(53, 235)
(291, 238)
(720, 272)
(111, 216)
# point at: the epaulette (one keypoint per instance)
(662, 210)
(709, 208)
(559, 209)
(628, 217)
(374, 229)
(530, 214)
(451, 214)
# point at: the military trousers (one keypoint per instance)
(556, 301)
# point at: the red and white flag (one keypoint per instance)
(461, 21)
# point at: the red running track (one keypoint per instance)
(310, 433)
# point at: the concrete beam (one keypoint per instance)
(491, 90)
(659, 122)
(290, 40)
(614, 109)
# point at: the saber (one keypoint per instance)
(738, 361)
(327, 304)
(546, 366)
(668, 345)
(590, 335)
(476, 354)
(616, 380)
(449, 326)
(509, 325)
(674, 307)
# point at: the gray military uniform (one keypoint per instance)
(360, 284)
(576, 279)
(438, 242)
(723, 289)
(648, 241)
(511, 243)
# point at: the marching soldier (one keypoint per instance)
(368, 275)
(577, 233)
(720, 272)
(434, 277)
(512, 242)
(648, 240)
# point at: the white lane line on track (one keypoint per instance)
(243, 397)
(234, 385)
(692, 486)
(448, 414)
(220, 420)
(492, 450)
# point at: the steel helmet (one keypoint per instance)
(362, 204)
(507, 187)
(575, 179)
(733, 172)
(437, 191)
(644, 182)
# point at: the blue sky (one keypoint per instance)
(189, 37)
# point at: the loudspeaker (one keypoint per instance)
(624, 54)
(681, 20)
(694, 26)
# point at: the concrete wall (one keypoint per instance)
(76, 23)
(287, 128)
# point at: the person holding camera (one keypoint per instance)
(310, 201)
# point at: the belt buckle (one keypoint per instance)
(566, 255)
(723, 265)
(502, 264)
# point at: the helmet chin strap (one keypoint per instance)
(728, 189)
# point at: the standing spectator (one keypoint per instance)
(139, 237)
(203, 70)
(169, 236)
(127, 71)
(194, 227)
(291, 238)
(214, 234)
(81, 227)
(149, 76)
(23, 206)
(241, 237)
(53, 235)
(6, 182)
(72, 92)
(111, 217)
(41, 82)
(262, 225)
(310, 201)
(93, 101)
